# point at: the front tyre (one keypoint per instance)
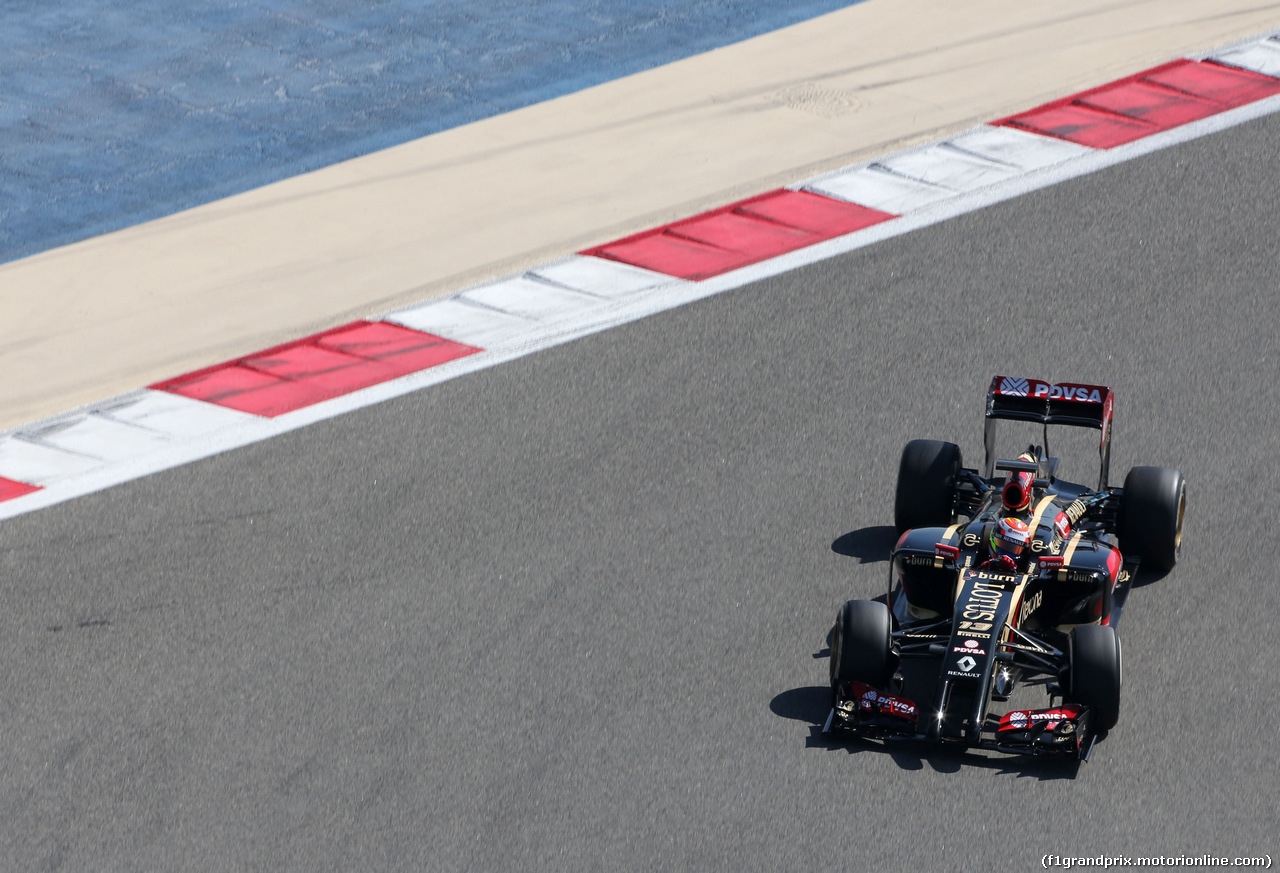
(1151, 512)
(926, 488)
(1093, 679)
(861, 646)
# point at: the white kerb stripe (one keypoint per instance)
(1019, 148)
(879, 188)
(601, 276)
(949, 167)
(38, 464)
(530, 298)
(1261, 57)
(463, 322)
(173, 415)
(96, 436)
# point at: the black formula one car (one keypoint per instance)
(990, 623)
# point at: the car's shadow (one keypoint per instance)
(870, 545)
(811, 704)
(1145, 577)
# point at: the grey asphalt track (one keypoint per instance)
(567, 613)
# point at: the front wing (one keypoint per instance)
(1062, 731)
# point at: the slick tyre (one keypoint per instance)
(861, 646)
(1151, 511)
(1093, 679)
(926, 484)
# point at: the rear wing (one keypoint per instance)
(1069, 403)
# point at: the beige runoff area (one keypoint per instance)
(94, 319)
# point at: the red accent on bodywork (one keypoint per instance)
(875, 701)
(1037, 389)
(1062, 525)
(1049, 717)
(1017, 491)
(1108, 405)
(1114, 561)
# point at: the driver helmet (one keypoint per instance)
(1010, 538)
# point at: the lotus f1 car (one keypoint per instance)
(1046, 619)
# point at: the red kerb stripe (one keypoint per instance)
(10, 489)
(740, 234)
(320, 367)
(1137, 106)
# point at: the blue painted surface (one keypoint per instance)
(115, 113)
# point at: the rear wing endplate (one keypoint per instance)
(1068, 403)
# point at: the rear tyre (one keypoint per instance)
(1151, 511)
(861, 647)
(1093, 680)
(926, 484)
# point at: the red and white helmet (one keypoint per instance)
(1017, 491)
(1010, 538)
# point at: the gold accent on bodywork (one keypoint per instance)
(1067, 555)
(1045, 503)
(1013, 618)
(1071, 548)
